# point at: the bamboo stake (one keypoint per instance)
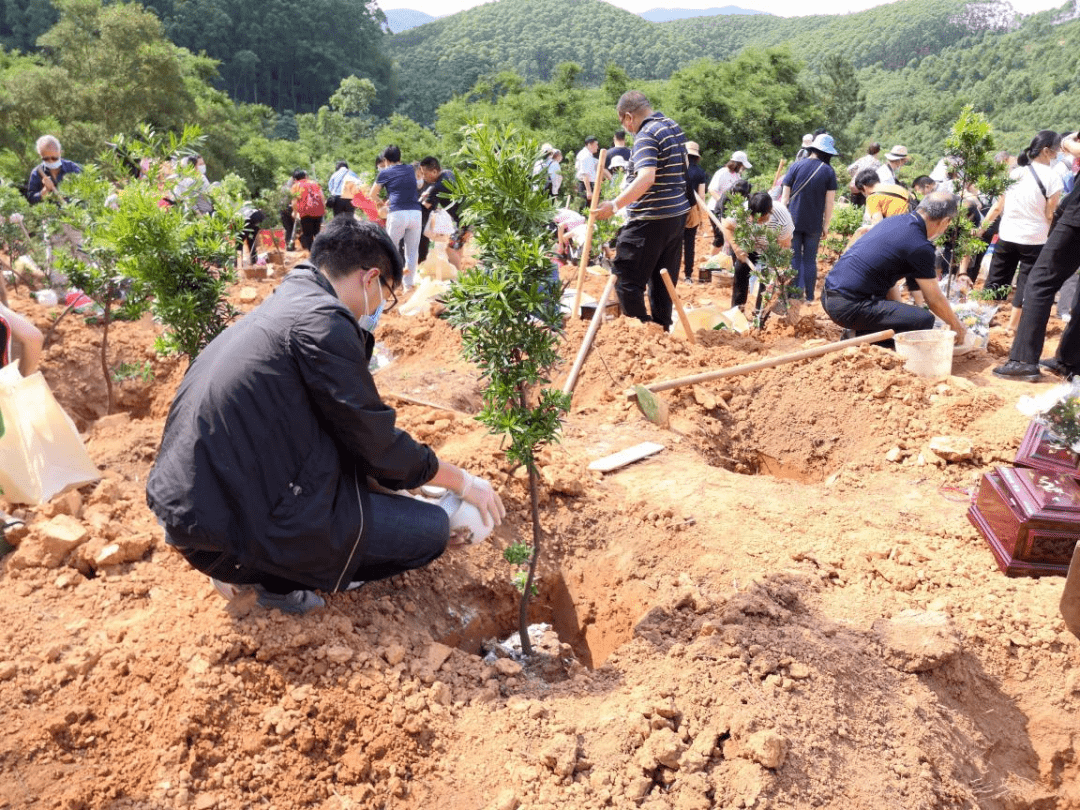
(678, 305)
(594, 327)
(588, 231)
(746, 368)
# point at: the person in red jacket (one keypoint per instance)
(309, 206)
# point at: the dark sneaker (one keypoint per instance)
(296, 603)
(1015, 370)
(1057, 368)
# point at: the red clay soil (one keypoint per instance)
(785, 608)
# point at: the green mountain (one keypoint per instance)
(891, 35)
(531, 38)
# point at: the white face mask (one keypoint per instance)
(202, 168)
(52, 164)
(371, 320)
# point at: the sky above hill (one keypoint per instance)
(782, 8)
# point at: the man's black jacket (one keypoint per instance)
(270, 437)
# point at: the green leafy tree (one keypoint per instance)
(773, 266)
(507, 307)
(840, 99)
(23, 21)
(95, 265)
(972, 146)
(283, 54)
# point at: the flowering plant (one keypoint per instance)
(1058, 410)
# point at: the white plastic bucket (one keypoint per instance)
(927, 352)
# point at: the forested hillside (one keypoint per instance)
(891, 35)
(1024, 81)
(287, 54)
(446, 57)
(23, 21)
(530, 38)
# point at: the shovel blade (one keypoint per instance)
(654, 408)
(1070, 597)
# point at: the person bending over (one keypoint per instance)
(861, 291)
(278, 451)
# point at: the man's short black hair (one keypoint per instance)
(620, 134)
(392, 153)
(346, 244)
(741, 187)
(924, 180)
(867, 177)
(341, 164)
(299, 174)
(592, 139)
(430, 163)
(760, 204)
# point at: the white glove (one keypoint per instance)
(480, 494)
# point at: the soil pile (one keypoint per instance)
(828, 632)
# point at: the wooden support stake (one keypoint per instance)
(746, 368)
(678, 305)
(594, 327)
(587, 248)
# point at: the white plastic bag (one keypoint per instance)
(41, 453)
(440, 223)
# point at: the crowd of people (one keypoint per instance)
(285, 524)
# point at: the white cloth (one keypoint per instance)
(865, 162)
(885, 174)
(585, 165)
(1023, 221)
(722, 180)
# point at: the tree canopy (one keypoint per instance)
(285, 54)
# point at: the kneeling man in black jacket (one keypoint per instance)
(262, 477)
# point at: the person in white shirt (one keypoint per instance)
(1026, 209)
(896, 157)
(585, 168)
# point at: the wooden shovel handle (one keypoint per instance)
(587, 249)
(678, 305)
(594, 327)
(746, 368)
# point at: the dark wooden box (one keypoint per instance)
(1030, 519)
(1037, 452)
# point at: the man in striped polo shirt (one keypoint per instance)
(657, 205)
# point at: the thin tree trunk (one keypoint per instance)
(105, 350)
(526, 595)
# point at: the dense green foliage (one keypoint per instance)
(288, 55)
(508, 310)
(23, 21)
(530, 38)
(1021, 80)
(890, 35)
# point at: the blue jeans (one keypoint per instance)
(804, 246)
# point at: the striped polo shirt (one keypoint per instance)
(659, 143)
